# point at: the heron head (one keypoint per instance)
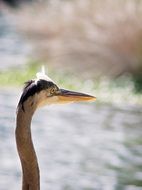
(43, 91)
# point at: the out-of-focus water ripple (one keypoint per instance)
(14, 50)
(79, 146)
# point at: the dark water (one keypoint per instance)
(79, 146)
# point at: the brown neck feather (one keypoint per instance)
(30, 169)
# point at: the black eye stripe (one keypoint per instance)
(33, 87)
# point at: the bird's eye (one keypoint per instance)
(52, 91)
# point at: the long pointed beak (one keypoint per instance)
(66, 96)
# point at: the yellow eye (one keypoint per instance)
(52, 91)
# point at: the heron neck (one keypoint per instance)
(30, 169)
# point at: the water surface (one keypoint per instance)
(14, 49)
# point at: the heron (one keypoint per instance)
(37, 93)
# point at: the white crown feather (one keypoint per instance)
(42, 75)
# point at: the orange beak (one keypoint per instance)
(66, 96)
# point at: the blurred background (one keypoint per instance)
(93, 46)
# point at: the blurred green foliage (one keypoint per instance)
(138, 82)
(17, 76)
(124, 89)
